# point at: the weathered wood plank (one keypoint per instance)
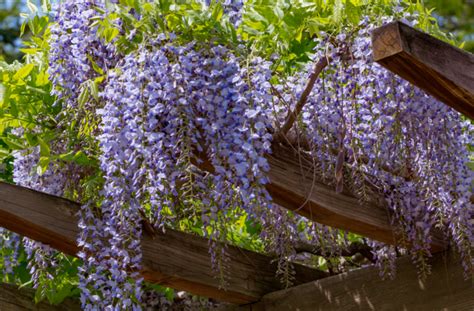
(14, 299)
(174, 259)
(363, 289)
(437, 67)
(293, 186)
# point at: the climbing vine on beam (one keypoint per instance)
(164, 114)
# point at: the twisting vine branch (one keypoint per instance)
(292, 115)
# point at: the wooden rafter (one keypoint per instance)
(437, 67)
(293, 186)
(14, 299)
(363, 289)
(175, 259)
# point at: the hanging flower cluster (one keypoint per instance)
(10, 246)
(75, 50)
(380, 135)
(168, 111)
(54, 181)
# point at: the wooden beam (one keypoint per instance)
(175, 259)
(14, 299)
(363, 289)
(442, 70)
(293, 186)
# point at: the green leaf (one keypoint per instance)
(62, 291)
(43, 164)
(93, 89)
(278, 12)
(13, 143)
(26, 284)
(147, 7)
(45, 5)
(99, 80)
(44, 148)
(4, 154)
(23, 72)
(22, 29)
(13, 109)
(42, 78)
(37, 24)
(217, 12)
(29, 51)
(32, 139)
(40, 294)
(299, 34)
(31, 7)
(352, 12)
(83, 96)
(110, 34)
(94, 65)
(470, 165)
(67, 156)
(81, 158)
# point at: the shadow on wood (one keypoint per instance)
(363, 289)
(14, 299)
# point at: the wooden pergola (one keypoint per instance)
(181, 260)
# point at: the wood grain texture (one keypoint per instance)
(14, 299)
(363, 289)
(293, 186)
(175, 259)
(442, 70)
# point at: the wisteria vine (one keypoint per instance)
(396, 141)
(183, 130)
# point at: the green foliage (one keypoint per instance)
(284, 28)
(288, 28)
(457, 18)
(26, 101)
(6, 163)
(20, 273)
(10, 29)
(59, 282)
(186, 18)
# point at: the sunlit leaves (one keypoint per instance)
(26, 104)
(23, 72)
